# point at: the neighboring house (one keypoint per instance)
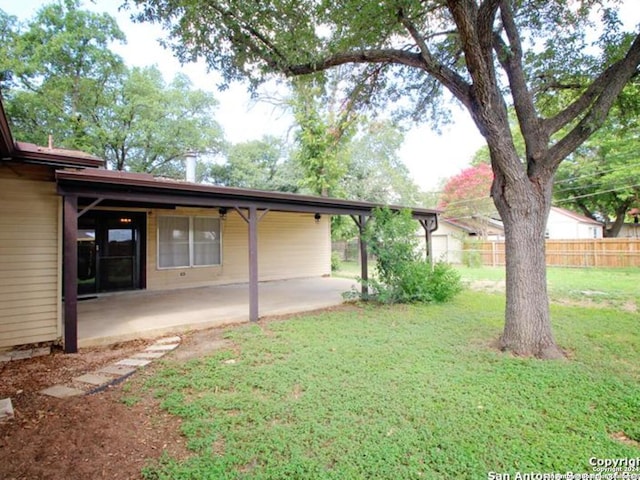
(448, 241)
(450, 238)
(564, 224)
(69, 229)
(630, 230)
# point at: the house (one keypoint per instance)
(70, 230)
(564, 224)
(448, 242)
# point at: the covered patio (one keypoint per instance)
(158, 311)
(147, 314)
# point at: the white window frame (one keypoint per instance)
(191, 235)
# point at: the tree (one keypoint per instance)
(56, 70)
(600, 179)
(60, 79)
(484, 53)
(260, 164)
(374, 170)
(466, 197)
(149, 126)
(324, 127)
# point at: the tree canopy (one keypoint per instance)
(60, 80)
(465, 197)
(600, 179)
(560, 64)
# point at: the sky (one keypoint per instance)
(429, 156)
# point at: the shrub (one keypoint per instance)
(403, 277)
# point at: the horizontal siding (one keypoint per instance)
(29, 256)
(290, 245)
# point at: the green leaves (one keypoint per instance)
(402, 275)
(61, 79)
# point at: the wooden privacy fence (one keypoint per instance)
(601, 252)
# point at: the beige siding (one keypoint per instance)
(29, 256)
(290, 245)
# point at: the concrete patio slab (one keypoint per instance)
(148, 314)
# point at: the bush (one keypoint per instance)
(403, 277)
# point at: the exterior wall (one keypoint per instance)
(563, 227)
(290, 245)
(30, 256)
(447, 243)
(630, 230)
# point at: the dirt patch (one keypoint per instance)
(94, 436)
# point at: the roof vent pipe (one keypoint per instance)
(190, 159)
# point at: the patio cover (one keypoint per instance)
(85, 189)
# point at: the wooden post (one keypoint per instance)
(70, 273)
(361, 222)
(253, 264)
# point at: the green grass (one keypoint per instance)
(600, 285)
(404, 392)
(349, 270)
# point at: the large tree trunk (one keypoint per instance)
(524, 208)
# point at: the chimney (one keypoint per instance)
(190, 160)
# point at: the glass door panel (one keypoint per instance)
(87, 280)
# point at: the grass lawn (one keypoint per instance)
(614, 286)
(410, 392)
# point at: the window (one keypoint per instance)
(188, 241)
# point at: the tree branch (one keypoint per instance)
(599, 87)
(510, 57)
(449, 78)
(598, 99)
(399, 57)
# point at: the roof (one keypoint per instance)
(30, 153)
(575, 216)
(142, 188)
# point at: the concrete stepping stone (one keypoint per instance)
(149, 355)
(162, 348)
(6, 409)
(119, 370)
(60, 391)
(169, 340)
(134, 362)
(92, 379)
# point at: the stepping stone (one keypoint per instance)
(5, 357)
(162, 348)
(117, 370)
(6, 409)
(169, 340)
(60, 391)
(134, 362)
(92, 379)
(21, 354)
(150, 355)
